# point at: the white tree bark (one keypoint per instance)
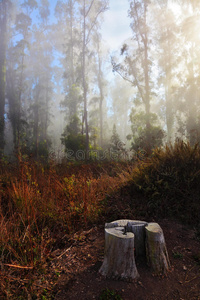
(119, 260)
(156, 251)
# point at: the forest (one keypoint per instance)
(90, 134)
(56, 97)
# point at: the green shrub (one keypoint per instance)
(108, 294)
(170, 181)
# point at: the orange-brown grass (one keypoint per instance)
(37, 202)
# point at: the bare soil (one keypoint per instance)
(79, 261)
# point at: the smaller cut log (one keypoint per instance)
(119, 260)
(156, 251)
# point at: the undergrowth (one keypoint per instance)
(41, 204)
(107, 294)
(38, 205)
(169, 181)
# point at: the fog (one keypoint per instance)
(70, 82)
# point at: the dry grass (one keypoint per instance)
(37, 203)
(41, 204)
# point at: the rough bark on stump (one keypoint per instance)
(119, 260)
(156, 251)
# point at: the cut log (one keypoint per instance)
(119, 260)
(156, 251)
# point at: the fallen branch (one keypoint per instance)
(63, 253)
(19, 267)
(188, 281)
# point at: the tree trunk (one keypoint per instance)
(119, 260)
(146, 79)
(3, 30)
(168, 87)
(36, 123)
(100, 84)
(84, 81)
(157, 256)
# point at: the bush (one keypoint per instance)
(72, 138)
(170, 180)
(148, 139)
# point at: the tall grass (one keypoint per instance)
(40, 203)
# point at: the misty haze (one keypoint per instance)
(65, 88)
(99, 121)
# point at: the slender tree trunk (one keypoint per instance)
(101, 100)
(46, 108)
(72, 77)
(101, 120)
(18, 129)
(192, 108)
(84, 80)
(3, 30)
(36, 123)
(146, 78)
(71, 43)
(168, 93)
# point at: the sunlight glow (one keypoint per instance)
(175, 8)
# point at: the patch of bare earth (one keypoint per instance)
(78, 265)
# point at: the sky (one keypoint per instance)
(116, 25)
(115, 30)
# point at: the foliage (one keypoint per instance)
(177, 255)
(115, 139)
(145, 138)
(43, 148)
(72, 139)
(148, 139)
(74, 142)
(72, 98)
(108, 294)
(159, 62)
(170, 181)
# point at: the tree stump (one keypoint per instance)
(156, 251)
(119, 260)
(121, 237)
